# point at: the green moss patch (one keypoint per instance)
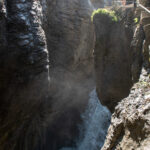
(136, 20)
(105, 12)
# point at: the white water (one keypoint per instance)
(96, 120)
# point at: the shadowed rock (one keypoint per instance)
(70, 38)
(24, 75)
(112, 60)
(33, 36)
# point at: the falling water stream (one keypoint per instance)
(96, 120)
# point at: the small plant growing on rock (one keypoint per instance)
(105, 12)
(136, 20)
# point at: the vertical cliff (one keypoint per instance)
(3, 48)
(112, 58)
(39, 39)
(70, 39)
(24, 75)
(117, 53)
(130, 122)
(145, 21)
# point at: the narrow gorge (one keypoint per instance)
(75, 75)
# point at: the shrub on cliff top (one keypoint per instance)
(105, 12)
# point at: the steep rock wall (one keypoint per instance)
(70, 38)
(35, 35)
(3, 48)
(130, 123)
(118, 55)
(25, 75)
(112, 60)
(145, 21)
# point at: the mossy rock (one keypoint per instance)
(105, 12)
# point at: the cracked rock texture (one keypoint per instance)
(130, 123)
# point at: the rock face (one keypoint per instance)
(145, 21)
(70, 38)
(33, 36)
(130, 123)
(72, 30)
(137, 54)
(3, 46)
(118, 59)
(112, 60)
(24, 74)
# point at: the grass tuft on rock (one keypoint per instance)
(105, 12)
(136, 20)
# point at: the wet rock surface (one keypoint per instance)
(130, 123)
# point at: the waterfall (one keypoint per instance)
(96, 120)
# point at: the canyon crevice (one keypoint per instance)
(52, 56)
